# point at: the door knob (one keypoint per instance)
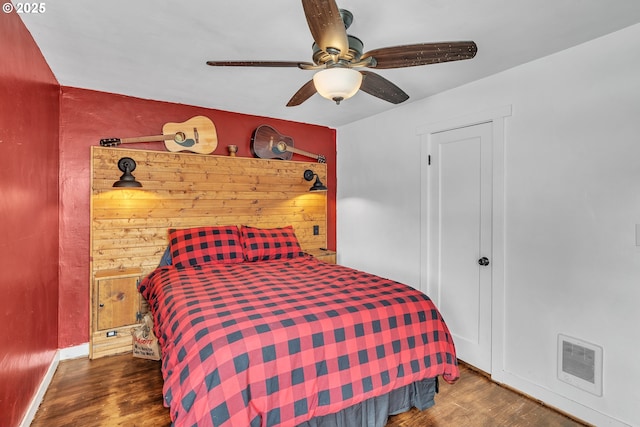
(483, 261)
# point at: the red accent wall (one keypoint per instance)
(45, 135)
(88, 116)
(29, 120)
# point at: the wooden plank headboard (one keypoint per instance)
(129, 226)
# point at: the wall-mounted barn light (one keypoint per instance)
(127, 165)
(318, 185)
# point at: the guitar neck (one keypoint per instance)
(302, 152)
(148, 139)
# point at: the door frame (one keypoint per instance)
(496, 117)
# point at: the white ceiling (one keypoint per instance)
(157, 49)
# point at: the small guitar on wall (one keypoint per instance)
(198, 135)
(268, 143)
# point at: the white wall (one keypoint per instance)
(572, 199)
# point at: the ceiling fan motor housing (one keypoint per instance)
(347, 18)
(356, 47)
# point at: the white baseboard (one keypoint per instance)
(74, 352)
(42, 389)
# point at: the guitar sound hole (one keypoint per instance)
(180, 137)
(280, 147)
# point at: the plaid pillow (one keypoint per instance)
(202, 245)
(261, 244)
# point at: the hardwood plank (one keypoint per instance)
(477, 401)
(124, 390)
(116, 390)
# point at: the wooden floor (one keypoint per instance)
(127, 391)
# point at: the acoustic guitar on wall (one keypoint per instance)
(268, 143)
(198, 135)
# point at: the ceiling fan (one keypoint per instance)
(339, 58)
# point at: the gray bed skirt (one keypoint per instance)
(374, 412)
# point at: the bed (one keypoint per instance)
(254, 332)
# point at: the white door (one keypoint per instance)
(459, 260)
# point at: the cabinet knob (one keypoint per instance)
(101, 305)
(483, 261)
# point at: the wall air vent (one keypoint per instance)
(580, 364)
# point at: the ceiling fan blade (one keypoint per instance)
(376, 85)
(304, 93)
(421, 54)
(259, 64)
(326, 25)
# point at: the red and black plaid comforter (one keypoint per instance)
(276, 343)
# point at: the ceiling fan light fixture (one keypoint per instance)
(337, 84)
